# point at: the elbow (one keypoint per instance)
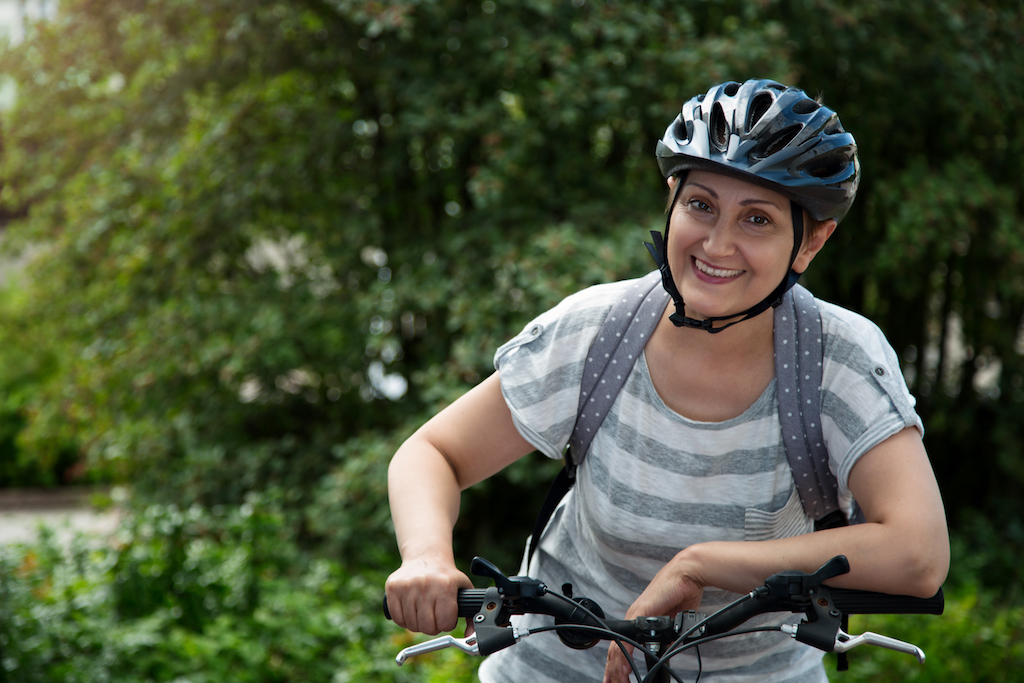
(930, 579)
(925, 584)
(926, 568)
(419, 460)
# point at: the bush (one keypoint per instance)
(191, 595)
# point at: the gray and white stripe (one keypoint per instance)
(655, 482)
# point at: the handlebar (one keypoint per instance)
(580, 623)
(846, 600)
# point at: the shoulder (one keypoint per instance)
(855, 340)
(861, 366)
(864, 397)
(596, 299)
(541, 368)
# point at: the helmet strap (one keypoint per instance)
(659, 251)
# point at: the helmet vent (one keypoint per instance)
(777, 142)
(719, 127)
(832, 126)
(758, 107)
(826, 166)
(731, 89)
(805, 107)
(681, 130)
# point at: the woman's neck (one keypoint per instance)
(712, 377)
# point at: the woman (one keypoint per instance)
(686, 497)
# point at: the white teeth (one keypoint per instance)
(715, 272)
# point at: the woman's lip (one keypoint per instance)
(705, 271)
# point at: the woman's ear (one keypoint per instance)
(813, 245)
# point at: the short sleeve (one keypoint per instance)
(541, 367)
(865, 398)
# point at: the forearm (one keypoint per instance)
(467, 442)
(424, 492)
(424, 496)
(883, 558)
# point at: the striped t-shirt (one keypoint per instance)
(655, 482)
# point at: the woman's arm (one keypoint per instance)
(465, 443)
(901, 548)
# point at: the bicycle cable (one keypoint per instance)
(707, 639)
(675, 648)
(617, 639)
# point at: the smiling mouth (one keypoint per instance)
(714, 272)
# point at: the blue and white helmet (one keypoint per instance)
(770, 134)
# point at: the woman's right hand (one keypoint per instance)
(465, 443)
(421, 595)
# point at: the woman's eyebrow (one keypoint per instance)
(714, 195)
(755, 200)
(744, 202)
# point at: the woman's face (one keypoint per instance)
(730, 242)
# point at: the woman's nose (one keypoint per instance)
(720, 240)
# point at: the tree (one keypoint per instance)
(272, 238)
(257, 220)
(933, 250)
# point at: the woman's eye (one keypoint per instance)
(759, 220)
(700, 205)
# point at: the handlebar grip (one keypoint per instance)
(846, 600)
(850, 601)
(470, 600)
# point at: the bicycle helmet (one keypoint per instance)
(766, 133)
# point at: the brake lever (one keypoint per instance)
(468, 645)
(845, 642)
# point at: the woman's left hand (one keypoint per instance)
(676, 588)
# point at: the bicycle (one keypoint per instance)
(580, 623)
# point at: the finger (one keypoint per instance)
(447, 614)
(617, 668)
(424, 621)
(394, 605)
(433, 621)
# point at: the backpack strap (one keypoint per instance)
(799, 352)
(612, 354)
(616, 347)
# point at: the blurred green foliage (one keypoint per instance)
(192, 594)
(254, 225)
(261, 242)
(210, 595)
